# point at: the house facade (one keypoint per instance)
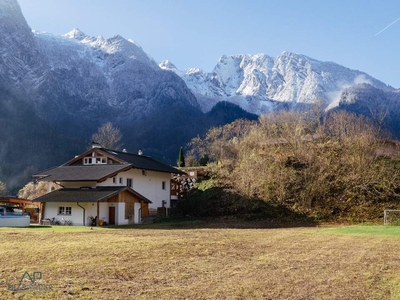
(105, 185)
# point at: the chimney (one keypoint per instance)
(140, 152)
(95, 145)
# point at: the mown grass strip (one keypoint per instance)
(372, 230)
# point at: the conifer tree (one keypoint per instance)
(204, 159)
(181, 159)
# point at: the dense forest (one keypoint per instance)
(297, 165)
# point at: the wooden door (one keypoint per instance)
(111, 215)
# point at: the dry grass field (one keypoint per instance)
(170, 262)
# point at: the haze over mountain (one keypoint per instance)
(382, 106)
(55, 91)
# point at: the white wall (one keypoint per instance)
(120, 214)
(149, 185)
(91, 211)
(51, 211)
(137, 216)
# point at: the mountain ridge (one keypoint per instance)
(257, 82)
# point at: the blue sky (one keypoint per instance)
(195, 33)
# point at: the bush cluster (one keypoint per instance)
(332, 167)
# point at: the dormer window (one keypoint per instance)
(95, 160)
(101, 160)
(87, 161)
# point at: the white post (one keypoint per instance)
(137, 216)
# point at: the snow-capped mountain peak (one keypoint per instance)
(61, 50)
(75, 34)
(167, 65)
(79, 70)
(257, 81)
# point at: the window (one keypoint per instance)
(144, 172)
(87, 161)
(163, 185)
(64, 210)
(120, 180)
(101, 160)
(94, 160)
(114, 180)
(129, 182)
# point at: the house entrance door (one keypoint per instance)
(111, 215)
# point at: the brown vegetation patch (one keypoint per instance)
(327, 167)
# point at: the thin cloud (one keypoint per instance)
(387, 27)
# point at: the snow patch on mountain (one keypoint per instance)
(75, 34)
(256, 82)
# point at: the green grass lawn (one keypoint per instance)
(367, 230)
(187, 260)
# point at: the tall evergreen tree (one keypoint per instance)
(204, 159)
(181, 158)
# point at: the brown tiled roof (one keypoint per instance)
(97, 194)
(82, 173)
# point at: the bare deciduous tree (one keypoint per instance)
(31, 190)
(3, 189)
(108, 136)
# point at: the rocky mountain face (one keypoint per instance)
(257, 83)
(21, 64)
(76, 76)
(92, 79)
(55, 91)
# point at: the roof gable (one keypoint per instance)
(93, 153)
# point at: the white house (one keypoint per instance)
(116, 187)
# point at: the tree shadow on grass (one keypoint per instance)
(215, 223)
(221, 208)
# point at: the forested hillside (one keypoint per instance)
(28, 143)
(337, 167)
